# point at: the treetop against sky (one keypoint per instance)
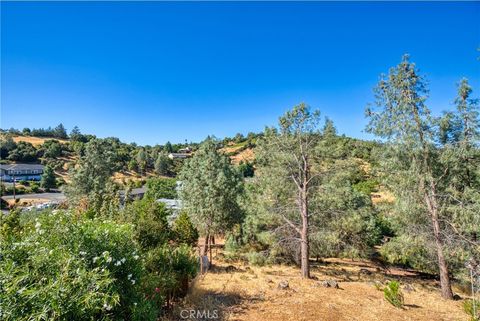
(153, 71)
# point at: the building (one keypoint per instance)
(187, 150)
(134, 194)
(178, 155)
(174, 205)
(20, 172)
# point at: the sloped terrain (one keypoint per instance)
(245, 293)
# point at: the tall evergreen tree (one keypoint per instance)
(401, 117)
(286, 164)
(60, 131)
(163, 164)
(75, 134)
(210, 191)
(169, 147)
(48, 178)
(91, 186)
(141, 160)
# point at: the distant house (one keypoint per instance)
(135, 194)
(173, 205)
(178, 155)
(20, 172)
(187, 150)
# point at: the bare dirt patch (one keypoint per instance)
(245, 293)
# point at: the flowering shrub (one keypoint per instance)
(169, 271)
(61, 267)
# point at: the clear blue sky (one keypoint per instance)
(153, 71)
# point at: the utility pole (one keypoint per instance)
(13, 187)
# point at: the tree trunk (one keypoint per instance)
(304, 249)
(305, 252)
(445, 284)
(212, 241)
(442, 263)
(203, 252)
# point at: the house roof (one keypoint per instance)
(178, 155)
(171, 203)
(21, 167)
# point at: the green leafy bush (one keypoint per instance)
(161, 188)
(169, 269)
(366, 187)
(150, 222)
(256, 258)
(393, 294)
(183, 230)
(62, 267)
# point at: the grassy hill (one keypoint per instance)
(36, 141)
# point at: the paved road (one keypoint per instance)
(47, 196)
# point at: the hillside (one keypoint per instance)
(239, 152)
(36, 141)
(247, 293)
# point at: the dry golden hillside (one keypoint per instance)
(238, 153)
(36, 141)
(245, 293)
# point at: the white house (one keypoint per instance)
(20, 172)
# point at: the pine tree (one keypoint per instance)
(60, 132)
(210, 191)
(91, 184)
(48, 178)
(286, 160)
(411, 164)
(163, 164)
(141, 160)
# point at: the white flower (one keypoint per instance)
(135, 257)
(38, 225)
(109, 259)
(129, 276)
(123, 260)
(133, 281)
(95, 259)
(83, 253)
(118, 263)
(107, 307)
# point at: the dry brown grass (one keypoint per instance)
(246, 155)
(27, 201)
(245, 293)
(36, 141)
(382, 196)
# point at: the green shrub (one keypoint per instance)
(161, 188)
(468, 307)
(34, 187)
(366, 187)
(169, 269)
(183, 230)
(62, 267)
(256, 258)
(150, 222)
(393, 294)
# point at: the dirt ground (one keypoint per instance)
(245, 293)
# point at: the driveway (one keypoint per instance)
(47, 196)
